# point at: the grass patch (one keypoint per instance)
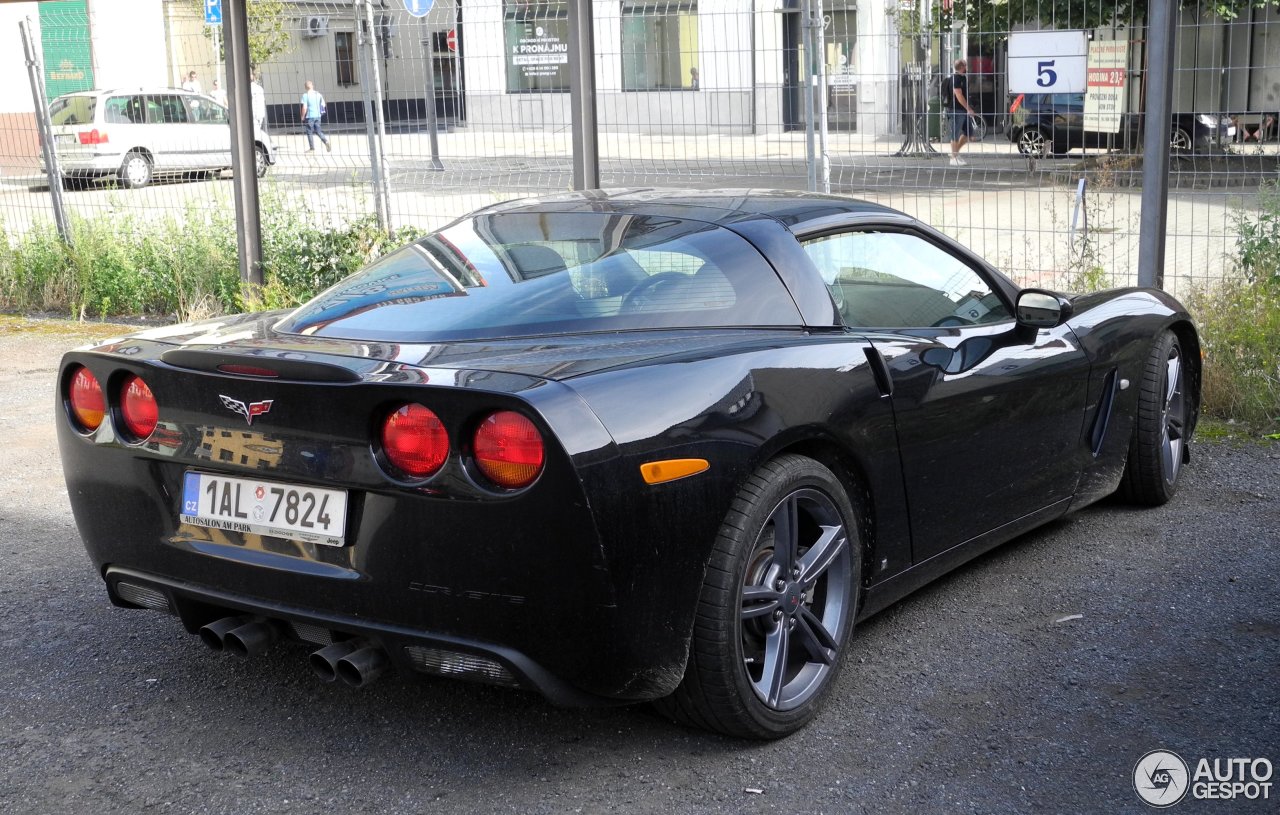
(182, 267)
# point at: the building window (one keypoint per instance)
(344, 47)
(659, 46)
(537, 39)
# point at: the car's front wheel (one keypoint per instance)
(1180, 139)
(135, 171)
(1162, 426)
(260, 163)
(777, 604)
(1032, 142)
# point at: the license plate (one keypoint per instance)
(308, 514)
(66, 138)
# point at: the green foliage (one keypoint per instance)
(1258, 237)
(184, 266)
(1240, 323)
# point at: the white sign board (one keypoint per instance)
(1047, 61)
(1108, 70)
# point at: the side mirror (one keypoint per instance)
(1041, 309)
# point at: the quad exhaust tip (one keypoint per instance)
(355, 662)
(242, 636)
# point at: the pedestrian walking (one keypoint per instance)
(312, 112)
(958, 104)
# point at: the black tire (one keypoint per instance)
(135, 170)
(1161, 427)
(260, 163)
(1180, 139)
(751, 609)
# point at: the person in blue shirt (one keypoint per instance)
(311, 112)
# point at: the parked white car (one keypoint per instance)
(136, 135)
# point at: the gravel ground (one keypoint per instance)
(1031, 680)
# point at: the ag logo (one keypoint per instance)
(1161, 778)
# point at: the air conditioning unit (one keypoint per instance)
(317, 26)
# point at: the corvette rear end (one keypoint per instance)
(385, 513)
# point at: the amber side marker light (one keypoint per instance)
(660, 472)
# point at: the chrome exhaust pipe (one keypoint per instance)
(215, 633)
(325, 661)
(252, 638)
(362, 666)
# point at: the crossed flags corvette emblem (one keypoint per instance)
(248, 411)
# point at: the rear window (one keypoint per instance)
(536, 273)
(72, 110)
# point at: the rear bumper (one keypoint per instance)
(410, 651)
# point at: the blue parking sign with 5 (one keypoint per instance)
(213, 12)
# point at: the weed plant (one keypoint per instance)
(1240, 323)
(184, 267)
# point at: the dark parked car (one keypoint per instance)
(616, 447)
(1053, 123)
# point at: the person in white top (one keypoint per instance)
(218, 94)
(259, 98)
(192, 84)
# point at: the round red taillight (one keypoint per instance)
(88, 405)
(509, 450)
(415, 441)
(138, 408)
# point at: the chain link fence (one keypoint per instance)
(424, 118)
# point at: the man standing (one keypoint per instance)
(311, 112)
(961, 128)
(258, 98)
(192, 84)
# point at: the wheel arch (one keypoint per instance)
(1193, 352)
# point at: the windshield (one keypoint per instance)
(536, 273)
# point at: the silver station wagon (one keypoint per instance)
(136, 135)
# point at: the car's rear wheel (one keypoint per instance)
(1032, 142)
(1161, 428)
(1180, 139)
(777, 605)
(135, 171)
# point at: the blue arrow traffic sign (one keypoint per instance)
(213, 12)
(418, 8)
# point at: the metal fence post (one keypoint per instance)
(810, 111)
(433, 125)
(1162, 28)
(35, 74)
(382, 183)
(582, 96)
(243, 158)
(373, 115)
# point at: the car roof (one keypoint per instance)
(791, 207)
(117, 91)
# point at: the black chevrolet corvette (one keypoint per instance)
(616, 447)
